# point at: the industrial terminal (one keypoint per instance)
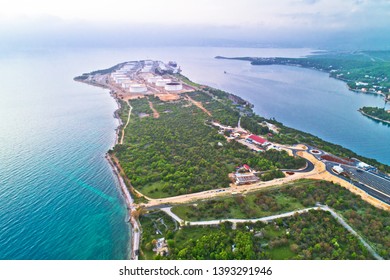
(137, 79)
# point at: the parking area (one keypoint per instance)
(377, 182)
(372, 184)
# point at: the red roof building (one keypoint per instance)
(246, 166)
(257, 139)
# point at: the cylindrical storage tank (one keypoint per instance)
(122, 80)
(153, 79)
(162, 82)
(173, 86)
(126, 84)
(138, 88)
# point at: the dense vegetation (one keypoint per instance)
(222, 110)
(312, 235)
(372, 223)
(252, 124)
(376, 112)
(154, 226)
(140, 106)
(178, 153)
(163, 157)
(281, 160)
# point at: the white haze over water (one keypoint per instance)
(348, 24)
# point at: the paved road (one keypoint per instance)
(168, 210)
(372, 184)
(309, 167)
(263, 219)
(135, 238)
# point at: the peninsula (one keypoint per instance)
(376, 113)
(364, 71)
(189, 156)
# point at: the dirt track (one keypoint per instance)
(156, 114)
(199, 105)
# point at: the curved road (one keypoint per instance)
(338, 218)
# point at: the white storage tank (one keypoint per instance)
(126, 84)
(173, 86)
(162, 82)
(138, 88)
(154, 79)
(122, 80)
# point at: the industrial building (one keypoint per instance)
(257, 140)
(246, 178)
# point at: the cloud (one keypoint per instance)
(311, 2)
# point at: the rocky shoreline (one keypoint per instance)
(135, 225)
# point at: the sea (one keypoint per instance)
(59, 198)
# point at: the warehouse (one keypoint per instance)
(257, 140)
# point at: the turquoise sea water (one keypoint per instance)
(58, 196)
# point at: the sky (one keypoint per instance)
(305, 23)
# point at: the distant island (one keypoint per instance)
(376, 113)
(204, 177)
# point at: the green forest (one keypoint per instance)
(180, 153)
(371, 223)
(222, 110)
(376, 112)
(311, 235)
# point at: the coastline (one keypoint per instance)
(252, 61)
(124, 183)
(135, 226)
(374, 118)
(135, 230)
